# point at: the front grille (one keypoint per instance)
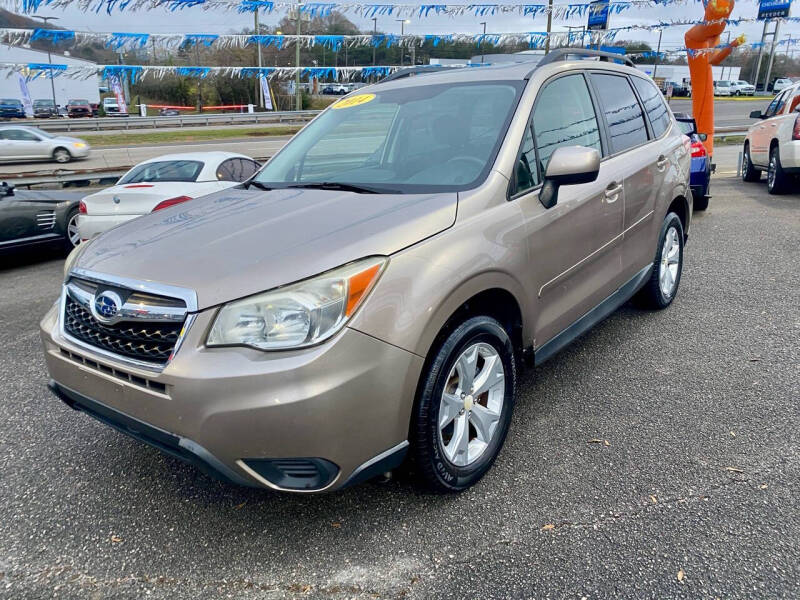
(46, 220)
(152, 342)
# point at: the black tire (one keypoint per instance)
(651, 295)
(61, 155)
(749, 173)
(700, 203)
(433, 467)
(777, 179)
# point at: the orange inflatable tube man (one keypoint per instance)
(703, 37)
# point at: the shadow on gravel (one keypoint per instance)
(16, 259)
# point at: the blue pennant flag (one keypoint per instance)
(378, 71)
(534, 10)
(191, 39)
(481, 10)
(317, 9)
(44, 69)
(254, 5)
(372, 10)
(436, 39)
(121, 71)
(426, 9)
(320, 72)
(267, 40)
(387, 39)
(118, 40)
(53, 35)
(255, 71)
(201, 72)
(334, 42)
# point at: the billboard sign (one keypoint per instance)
(598, 15)
(774, 9)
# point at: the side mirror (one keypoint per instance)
(703, 136)
(569, 165)
(756, 114)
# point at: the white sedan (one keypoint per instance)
(161, 182)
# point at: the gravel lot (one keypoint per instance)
(694, 495)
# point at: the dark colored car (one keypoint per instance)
(678, 89)
(79, 108)
(11, 108)
(40, 217)
(44, 109)
(95, 108)
(168, 112)
(702, 168)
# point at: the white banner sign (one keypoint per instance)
(116, 87)
(267, 96)
(26, 95)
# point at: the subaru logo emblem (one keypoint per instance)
(116, 199)
(106, 306)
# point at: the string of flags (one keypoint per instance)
(365, 10)
(123, 41)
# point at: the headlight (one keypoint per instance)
(79, 145)
(72, 257)
(300, 314)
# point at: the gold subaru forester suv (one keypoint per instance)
(371, 294)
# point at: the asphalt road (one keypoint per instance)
(695, 494)
(727, 113)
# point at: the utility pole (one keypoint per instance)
(484, 35)
(760, 52)
(549, 26)
(298, 101)
(49, 59)
(374, 33)
(199, 79)
(772, 53)
(257, 29)
(658, 53)
(402, 33)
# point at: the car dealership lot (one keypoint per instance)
(660, 444)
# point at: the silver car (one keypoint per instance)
(22, 143)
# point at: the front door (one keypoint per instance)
(575, 246)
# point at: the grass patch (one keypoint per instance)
(729, 140)
(193, 134)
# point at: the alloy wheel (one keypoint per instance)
(72, 230)
(471, 404)
(668, 267)
(61, 156)
(771, 171)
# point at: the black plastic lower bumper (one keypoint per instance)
(179, 447)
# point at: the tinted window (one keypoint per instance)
(687, 127)
(168, 170)
(623, 113)
(654, 105)
(413, 138)
(20, 135)
(526, 175)
(236, 169)
(564, 116)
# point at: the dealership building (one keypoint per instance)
(66, 89)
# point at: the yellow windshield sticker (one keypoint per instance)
(354, 101)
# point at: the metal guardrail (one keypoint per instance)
(112, 123)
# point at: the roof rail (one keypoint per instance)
(565, 53)
(408, 71)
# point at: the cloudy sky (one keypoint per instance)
(197, 20)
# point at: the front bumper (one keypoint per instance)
(230, 411)
(90, 226)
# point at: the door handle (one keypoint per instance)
(612, 192)
(662, 163)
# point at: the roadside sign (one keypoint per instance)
(26, 95)
(774, 9)
(598, 15)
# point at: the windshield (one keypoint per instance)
(109, 100)
(79, 102)
(723, 83)
(10, 101)
(414, 139)
(167, 170)
(47, 103)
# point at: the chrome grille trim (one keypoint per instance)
(46, 220)
(166, 304)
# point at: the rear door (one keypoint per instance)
(575, 245)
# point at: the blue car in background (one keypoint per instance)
(11, 107)
(702, 168)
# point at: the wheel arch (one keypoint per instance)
(681, 207)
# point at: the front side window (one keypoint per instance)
(168, 170)
(20, 135)
(622, 111)
(776, 105)
(654, 105)
(564, 116)
(526, 175)
(411, 139)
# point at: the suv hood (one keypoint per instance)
(239, 242)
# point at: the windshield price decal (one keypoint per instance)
(354, 101)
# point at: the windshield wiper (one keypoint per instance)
(344, 187)
(258, 184)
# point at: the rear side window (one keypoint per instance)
(564, 116)
(622, 111)
(654, 105)
(168, 170)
